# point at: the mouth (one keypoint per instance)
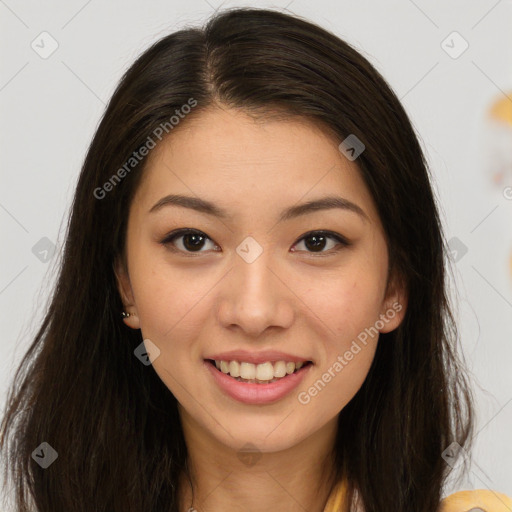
(265, 373)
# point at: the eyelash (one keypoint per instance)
(178, 233)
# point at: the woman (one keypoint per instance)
(251, 308)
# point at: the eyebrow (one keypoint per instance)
(209, 208)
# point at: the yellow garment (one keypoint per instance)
(335, 498)
(488, 501)
(462, 501)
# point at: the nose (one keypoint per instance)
(255, 297)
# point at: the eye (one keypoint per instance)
(316, 241)
(192, 240)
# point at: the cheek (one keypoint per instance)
(347, 302)
(172, 306)
(348, 348)
(167, 296)
(349, 305)
(337, 382)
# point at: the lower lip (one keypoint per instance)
(258, 394)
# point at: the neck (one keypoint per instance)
(297, 477)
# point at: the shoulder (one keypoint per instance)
(479, 500)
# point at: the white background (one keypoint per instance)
(51, 107)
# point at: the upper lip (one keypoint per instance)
(257, 357)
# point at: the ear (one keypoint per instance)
(394, 304)
(125, 290)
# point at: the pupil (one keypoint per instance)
(195, 241)
(318, 242)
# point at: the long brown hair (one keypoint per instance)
(113, 423)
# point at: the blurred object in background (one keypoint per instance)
(500, 140)
(499, 147)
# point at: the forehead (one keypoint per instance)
(236, 159)
(233, 138)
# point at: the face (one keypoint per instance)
(253, 279)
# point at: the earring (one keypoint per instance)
(126, 315)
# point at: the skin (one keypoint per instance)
(291, 298)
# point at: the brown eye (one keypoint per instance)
(189, 241)
(186, 240)
(317, 241)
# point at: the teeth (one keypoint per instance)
(280, 369)
(247, 371)
(234, 368)
(267, 372)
